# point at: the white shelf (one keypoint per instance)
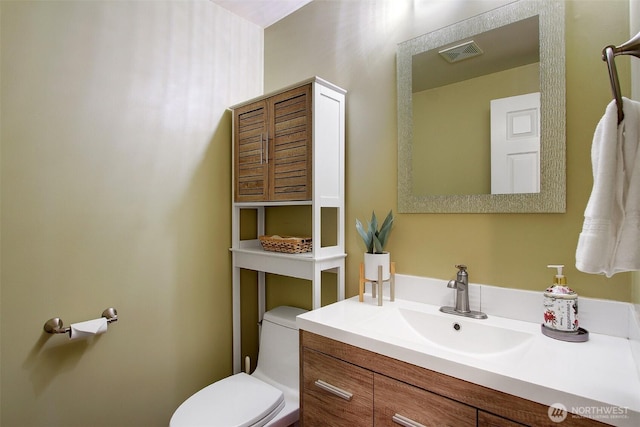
(267, 204)
(327, 128)
(304, 257)
(302, 266)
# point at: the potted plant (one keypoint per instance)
(375, 240)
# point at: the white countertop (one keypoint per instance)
(598, 377)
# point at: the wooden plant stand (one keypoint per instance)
(376, 285)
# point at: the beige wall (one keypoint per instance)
(353, 44)
(115, 192)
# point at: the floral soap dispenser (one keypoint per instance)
(560, 304)
(561, 310)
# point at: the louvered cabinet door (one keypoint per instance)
(251, 156)
(290, 147)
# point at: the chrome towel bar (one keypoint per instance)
(631, 47)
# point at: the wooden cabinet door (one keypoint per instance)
(397, 403)
(334, 393)
(250, 156)
(290, 148)
(273, 148)
(486, 419)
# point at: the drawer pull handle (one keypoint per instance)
(406, 422)
(334, 390)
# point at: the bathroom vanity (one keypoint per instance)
(361, 364)
(402, 391)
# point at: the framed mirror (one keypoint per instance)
(444, 126)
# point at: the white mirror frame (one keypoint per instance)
(552, 196)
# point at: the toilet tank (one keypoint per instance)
(278, 356)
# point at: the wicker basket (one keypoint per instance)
(286, 244)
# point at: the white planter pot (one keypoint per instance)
(371, 263)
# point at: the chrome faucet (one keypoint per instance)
(461, 285)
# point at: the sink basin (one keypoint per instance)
(452, 333)
(464, 335)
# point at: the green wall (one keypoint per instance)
(460, 163)
(115, 191)
(353, 44)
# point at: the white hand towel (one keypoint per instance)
(610, 238)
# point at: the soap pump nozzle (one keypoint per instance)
(559, 278)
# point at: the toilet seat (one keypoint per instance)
(239, 401)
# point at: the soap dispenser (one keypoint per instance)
(561, 309)
(560, 304)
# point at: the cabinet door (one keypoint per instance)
(489, 420)
(290, 148)
(334, 393)
(397, 403)
(250, 156)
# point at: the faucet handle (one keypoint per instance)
(461, 267)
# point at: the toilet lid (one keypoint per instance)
(239, 400)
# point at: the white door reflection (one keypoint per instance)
(515, 144)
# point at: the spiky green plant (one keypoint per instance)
(375, 239)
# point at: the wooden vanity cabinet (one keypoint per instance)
(396, 401)
(273, 148)
(489, 420)
(336, 393)
(389, 392)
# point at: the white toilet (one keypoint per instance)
(268, 397)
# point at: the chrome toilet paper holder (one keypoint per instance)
(55, 325)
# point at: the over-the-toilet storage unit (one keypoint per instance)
(288, 149)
